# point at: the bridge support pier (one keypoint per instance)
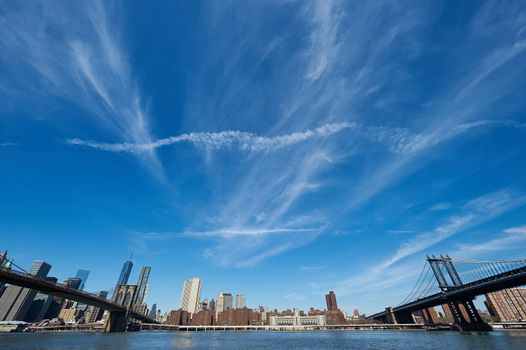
(390, 316)
(116, 322)
(405, 317)
(466, 316)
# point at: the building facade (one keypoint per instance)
(125, 273)
(143, 285)
(330, 299)
(240, 301)
(83, 276)
(507, 305)
(297, 320)
(16, 301)
(223, 303)
(191, 295)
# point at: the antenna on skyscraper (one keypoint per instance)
(131, 255)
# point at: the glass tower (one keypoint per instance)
(83, 276)
(143, 284)
(125, 272)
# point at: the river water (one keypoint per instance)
(267, 340)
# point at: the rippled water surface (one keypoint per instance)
(267, 340)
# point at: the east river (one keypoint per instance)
(267, 340)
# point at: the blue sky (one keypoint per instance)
(278, 149)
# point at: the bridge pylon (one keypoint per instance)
(117, 321)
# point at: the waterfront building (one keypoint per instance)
(224, 302)
(212, 305)
(70, 315)
(297, 320)
(508, 305)
(203, 318)
(125, 272)
(40, 305)
(333, 315)
(93, 313)
(191, 295)
(331, 301)
(240, 301)
(178, 317)
(16, 301)
(143, 285)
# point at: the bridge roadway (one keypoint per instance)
(60, 290)
(509, 279)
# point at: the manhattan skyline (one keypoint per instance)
(275, 150)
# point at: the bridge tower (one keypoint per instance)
(469, 320)
(125, 295)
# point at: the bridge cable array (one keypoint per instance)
(463, 271)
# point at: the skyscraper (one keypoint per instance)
(331, 301)
(83, 276)
(223, 303)
(153, 312)
(16, 301)
(40, 305)
(143, 284)
(191, 295)
(240, 301)
(125, 272)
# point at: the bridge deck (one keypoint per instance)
(509, 279)
(60, 290)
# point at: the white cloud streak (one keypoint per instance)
(511, 239)
(398, 140)
(73, 53)
(473, 213)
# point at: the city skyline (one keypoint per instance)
(276, 150)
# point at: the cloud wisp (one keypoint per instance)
(512, 238)
(239, 247)
(399, 140)
(74, 53)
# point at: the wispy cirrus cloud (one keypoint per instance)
(471, 214)
(398, 140)
(510, 239)
(401, 268)
(74, 53)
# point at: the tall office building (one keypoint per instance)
(73, 282)
(508, 305)
(143, 285)
(331, 301)
(125, 272)
(16, 301)
(240, 301)
(153, 312)
(223, 303)
(40, 305)
(191, 295)
(83, 276)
